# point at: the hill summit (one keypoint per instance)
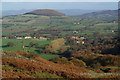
(46, 12)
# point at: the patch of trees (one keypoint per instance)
(70, 61)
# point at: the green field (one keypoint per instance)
(29, 24)
(18, 47)
(48, 56)
(52, 27)
(19, 42)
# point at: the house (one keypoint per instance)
(74, 23)
(112, 31)
(28, 37)
(43, 38)
(75, 31)
(4, 37)
(78, 41)
(74, 37)
(34, 37)
(82, 42)
(82, 37)
(18, 37)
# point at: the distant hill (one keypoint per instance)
(13, 12)
(73, 12)
(105, 15)
(67, 12)
(46, 12)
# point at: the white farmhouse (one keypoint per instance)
(28, 37)
(18, 37)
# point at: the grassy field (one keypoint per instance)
(48, 56)
(18, 45)
(20, 23)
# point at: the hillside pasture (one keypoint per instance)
(19, 42)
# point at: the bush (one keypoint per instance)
(31, 55)
(78, 62)
(55, 59)
(72, 61)
(62, 60)
(96, 66)
(32, 44)
(45, 75)
(10, 44)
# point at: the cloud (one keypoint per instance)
(60, 0)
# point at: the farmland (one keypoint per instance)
(18, 44)
(32, 23)
(59, 46)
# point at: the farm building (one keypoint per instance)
(43, 38)
(82, 37)
(75, 31)
(82, 42)
(4, 37)
(28, 37)
(74, 37)
(18, 37)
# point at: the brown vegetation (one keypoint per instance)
(39, 64)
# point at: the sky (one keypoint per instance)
(59, 0)
(60, 5)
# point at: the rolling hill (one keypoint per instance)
(105, 15)
(36, 20)
(46, 12)
(17, 61)
(17, 65)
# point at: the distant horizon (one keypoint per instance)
(59, 9)
(59, 5)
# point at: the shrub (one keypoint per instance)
(62, 60)
(55, 59)
(78, 62)
(32, 44)
(10, 44)
(96, 66)
(45, 75)
(31, 55)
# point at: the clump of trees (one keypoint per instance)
(71, 61)
(78, 62)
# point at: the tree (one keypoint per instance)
(96, 65)
(78, 62)
(10, 44)
(32, 44)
